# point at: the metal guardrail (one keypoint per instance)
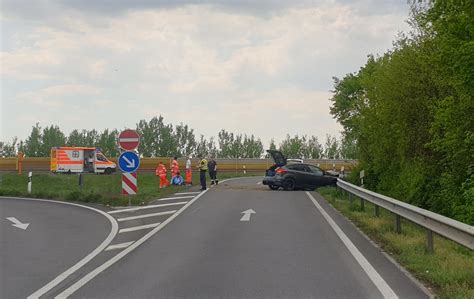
(454, 230)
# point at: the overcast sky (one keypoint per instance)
(264, 69)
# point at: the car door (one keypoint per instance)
(317, 176)
(278, 157)
(300, 173)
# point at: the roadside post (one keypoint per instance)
(80, 181)
(128, 162)
(20, 162)
(30, 174)
(361, 176)
(245, 169)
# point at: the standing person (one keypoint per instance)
(174, 167)
(161, 172)
(189, 172)
(202, 173)
(212, 166)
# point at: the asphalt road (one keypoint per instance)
(58, 236)
(287, 249)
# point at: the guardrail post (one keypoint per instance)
(376, 211)
(398, 224)
(362, 204)
(429, 243)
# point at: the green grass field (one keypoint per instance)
(449, 271)
(102, 189)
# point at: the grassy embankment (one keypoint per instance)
(449, 271)
(102, 189)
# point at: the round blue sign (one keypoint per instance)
(128, 161)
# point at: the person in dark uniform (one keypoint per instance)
(212, 166)
(202, 173)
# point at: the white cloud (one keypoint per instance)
(242, 70)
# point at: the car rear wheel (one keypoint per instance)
(289, 184)
(273, 187)
(108, 171)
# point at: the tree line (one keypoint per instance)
(410, 112)
(160, 139)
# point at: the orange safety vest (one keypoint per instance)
(174, 167)
(160, 170)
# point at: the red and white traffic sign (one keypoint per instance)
(129, 183)
(129, 140)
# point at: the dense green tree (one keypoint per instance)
(75, 138)
(51, 137)
(251, 147)
(33, 143)
(107, 143)
(314, 149)
(9, 149)
(293, 147)
(409, 112)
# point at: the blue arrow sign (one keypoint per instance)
(129, 161)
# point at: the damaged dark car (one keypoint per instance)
(295, 176)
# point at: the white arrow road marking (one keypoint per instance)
(17, 223)
(247, 215)
(130, 164)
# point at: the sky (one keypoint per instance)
(251, 67)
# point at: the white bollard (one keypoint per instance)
(245, 171)
(30, 174)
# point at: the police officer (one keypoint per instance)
(212, 167)
(202, 172)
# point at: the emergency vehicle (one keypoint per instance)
(80, 159)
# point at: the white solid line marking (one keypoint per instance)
(259, 183)
(178, 197)
(78, 284)
(184, 193)
(379, 282)
(146, 216)
(119, 246)
(132, 229)
(149, 207)
(82, 262)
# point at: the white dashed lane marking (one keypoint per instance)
(172, 198)
(119, 246)
(146, 216)
(184, 193)
(135, 228)
(149, 207)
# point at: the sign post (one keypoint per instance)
(129, 161)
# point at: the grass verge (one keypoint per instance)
(448, 272)
(101, 189)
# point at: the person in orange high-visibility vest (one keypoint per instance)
(189, 172)
(174, 167)
(161, 172)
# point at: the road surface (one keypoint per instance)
(293, 246)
